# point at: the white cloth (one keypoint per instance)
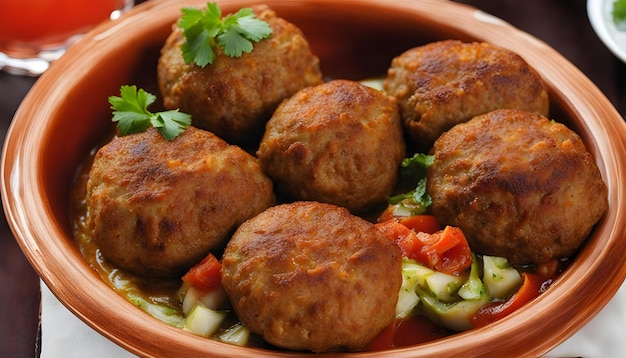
(604, 336)
(63, 335)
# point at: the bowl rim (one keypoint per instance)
(61, 269)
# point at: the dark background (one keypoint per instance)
(563, 24)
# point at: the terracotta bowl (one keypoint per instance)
(66, 115)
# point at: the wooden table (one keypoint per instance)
(563, 24)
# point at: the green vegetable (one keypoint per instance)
(619, 11)
(237, 334)
(419, 278)
(413, 276)
(443, 287)
(451, 300)
(416, 166)
(416, 201)
(213, 299)
(162, 312)
(456, 315)
(132, 115)
(473, 288)
(204, 321)
(205, 30)
(499, 277)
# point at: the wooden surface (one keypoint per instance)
(19, 284)
(563, 24)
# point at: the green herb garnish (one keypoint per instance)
(132, 115)
(417, 201)
(619, 11)
(416, 166)
(205, 30)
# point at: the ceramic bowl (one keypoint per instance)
(66, 115)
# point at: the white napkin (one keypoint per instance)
(63, 335)
(604, 336)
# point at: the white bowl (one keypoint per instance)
(599, 13)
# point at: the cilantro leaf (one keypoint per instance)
(205, 31)
(415, 167)
(416, 201)
(130, 111)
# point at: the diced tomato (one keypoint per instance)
(531, 288)
(387, 214)
(421, 223)
(445, 251)
(402, 235)
(205, 275)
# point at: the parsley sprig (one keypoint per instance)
(132, 115)
(205, 31)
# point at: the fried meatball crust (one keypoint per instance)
(444, 83)
(312, 276)
(340, 142)
(157, 207)
(234, 97)
(519, 186)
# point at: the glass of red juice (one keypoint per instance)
(34, 33)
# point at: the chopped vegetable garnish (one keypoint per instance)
(416, 165)
(445, 251)
(619, 11)
(237, 334)
(421, 223)
(132, 115)
(416, 201)
(163, 312)
(205, 30)
(457, 315)
(206, 274)
(531, 288)
(204, 321)
(499, 277)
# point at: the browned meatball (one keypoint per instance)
(157, 207)
(340, 143)
(234, 97)
(444, 83)
(311, 276)
(518, 185)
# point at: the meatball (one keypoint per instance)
(444, 83)
(311, 276)
(234, 97)
(157, 207)
(340, 143)
(519, 186)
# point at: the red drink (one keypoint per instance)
(28, 27)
